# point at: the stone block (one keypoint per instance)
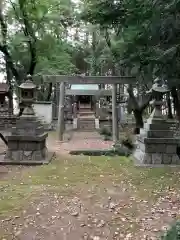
(8, 154)
(27, 156)
(138, 155)
(175, 160)
(147, 159)
(157, 158)
(17, 155)
(37, 155)
(13, 145)
(28, 146)
(27, 153)
(44, 153)
(155, 148)
(167, 158)
(162, 126)
(171, 148)
(160, 134)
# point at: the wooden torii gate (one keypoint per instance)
(114, 80)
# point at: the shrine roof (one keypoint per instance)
(85, 87)
(4, 88)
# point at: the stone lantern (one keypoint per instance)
(159, 88)
(157, 143)
(27, 95)
(27, 91)
(27, 144)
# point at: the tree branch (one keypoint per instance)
(107, 38)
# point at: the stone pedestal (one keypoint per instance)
(27, 143)
(157, 143)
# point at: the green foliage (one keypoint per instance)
(107, 152)
(39, 36)
(105, 131)
(173, 233)
(143, 35)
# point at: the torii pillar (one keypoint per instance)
(61, 112)
(115, 129)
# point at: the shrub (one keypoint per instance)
(128, 140)
(106, 132)
(173, 233)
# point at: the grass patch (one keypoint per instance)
(65, 175)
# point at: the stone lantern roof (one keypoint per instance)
(160, 86)
(28, 85)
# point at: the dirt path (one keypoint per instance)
(81, 198)
(92, 213)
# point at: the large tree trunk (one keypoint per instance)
(138, 109)
(10, 96)
(138, 115)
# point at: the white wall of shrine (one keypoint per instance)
(43, 111)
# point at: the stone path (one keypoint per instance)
(86, 200)
(79, 140)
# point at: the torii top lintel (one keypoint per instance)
(79, 79)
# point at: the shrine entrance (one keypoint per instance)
(84, 100)
(66, 90)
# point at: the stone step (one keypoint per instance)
(84, 112)
(86, 130)
(85, 106)
(86, 124)
(87, 117)
(88, 120)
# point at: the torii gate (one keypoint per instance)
(114, 80)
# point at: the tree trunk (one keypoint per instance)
(169, 105)
(176, 102)
(139, 120)
(9, 79)
(49, 92)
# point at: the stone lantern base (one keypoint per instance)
(27, 143)
(27, 150)
(156, 144)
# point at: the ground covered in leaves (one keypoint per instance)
(87, 198)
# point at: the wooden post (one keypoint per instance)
(97, 110)
(75, 110)
(61, 112)
(115, 129)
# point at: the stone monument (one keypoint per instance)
(27, 143)
(157, 143)
(7, 119)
